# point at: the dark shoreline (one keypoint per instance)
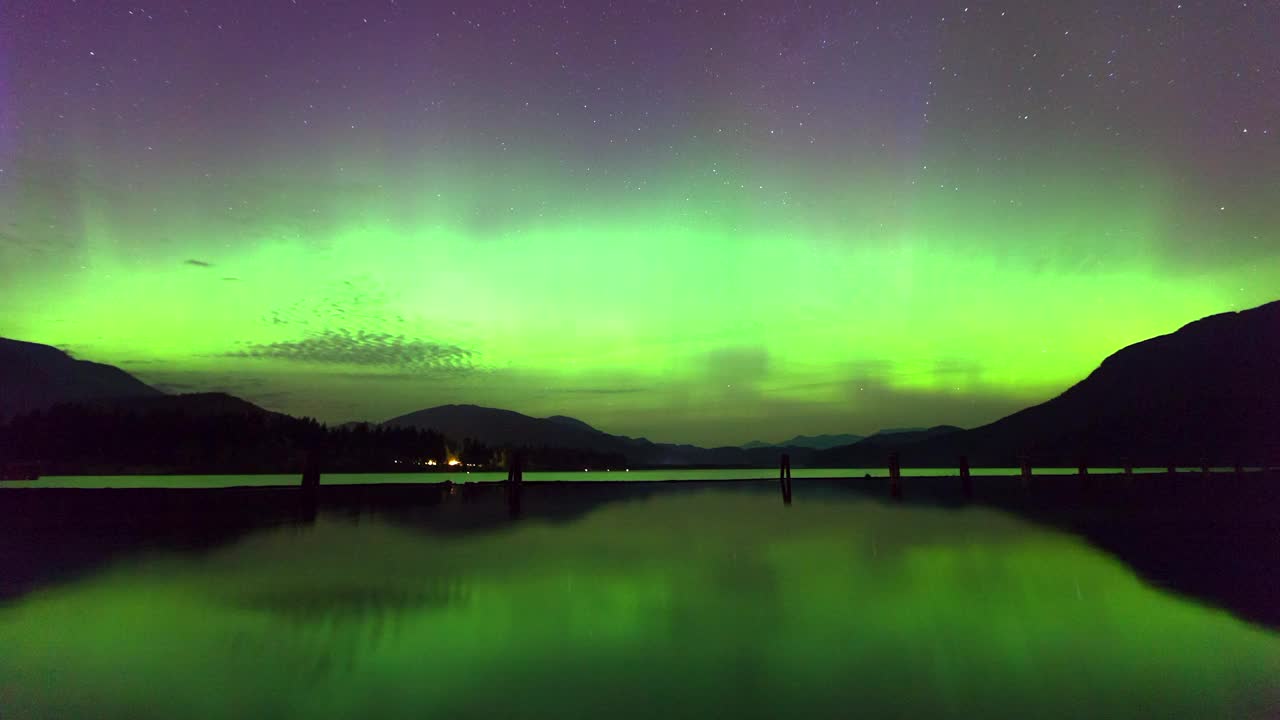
(1214, 538)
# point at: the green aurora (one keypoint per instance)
(690, 308)
(639, 218)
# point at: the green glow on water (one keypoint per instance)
(708, 604)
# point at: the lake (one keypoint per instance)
(214, 481)
(707, 602)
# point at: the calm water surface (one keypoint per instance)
(211, 481)
(700, 604)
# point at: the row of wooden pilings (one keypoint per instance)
(515, 476)
(966, 478)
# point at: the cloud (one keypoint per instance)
(359, 301)
(365, 349)
(197, 263)
(742, 364)
(735, 372)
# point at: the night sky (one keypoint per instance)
(708, 222)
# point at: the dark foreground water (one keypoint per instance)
(712, 603)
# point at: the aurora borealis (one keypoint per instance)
(706, 222)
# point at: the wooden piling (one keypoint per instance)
(311, 472)
(1204, 469)
(309, 499)
(515, 479)
(784, 477)
(1024, 462)
(895, 476)
(966, 482)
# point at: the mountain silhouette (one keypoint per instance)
(1209, 391)
(873, 450)
(36, 377)
(812, 442)
(507, 427)
(191, 404)
(571, 422)
(497, 427)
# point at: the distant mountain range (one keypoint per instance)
(210, 404)
(826, 442)
(1210, 390)
(506, 427)
(34, 376)
(874, 450)
(812, 442)
(899, 431)
(498, 427)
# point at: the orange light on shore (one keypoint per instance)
(454, 461)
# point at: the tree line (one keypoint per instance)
(73, 439)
